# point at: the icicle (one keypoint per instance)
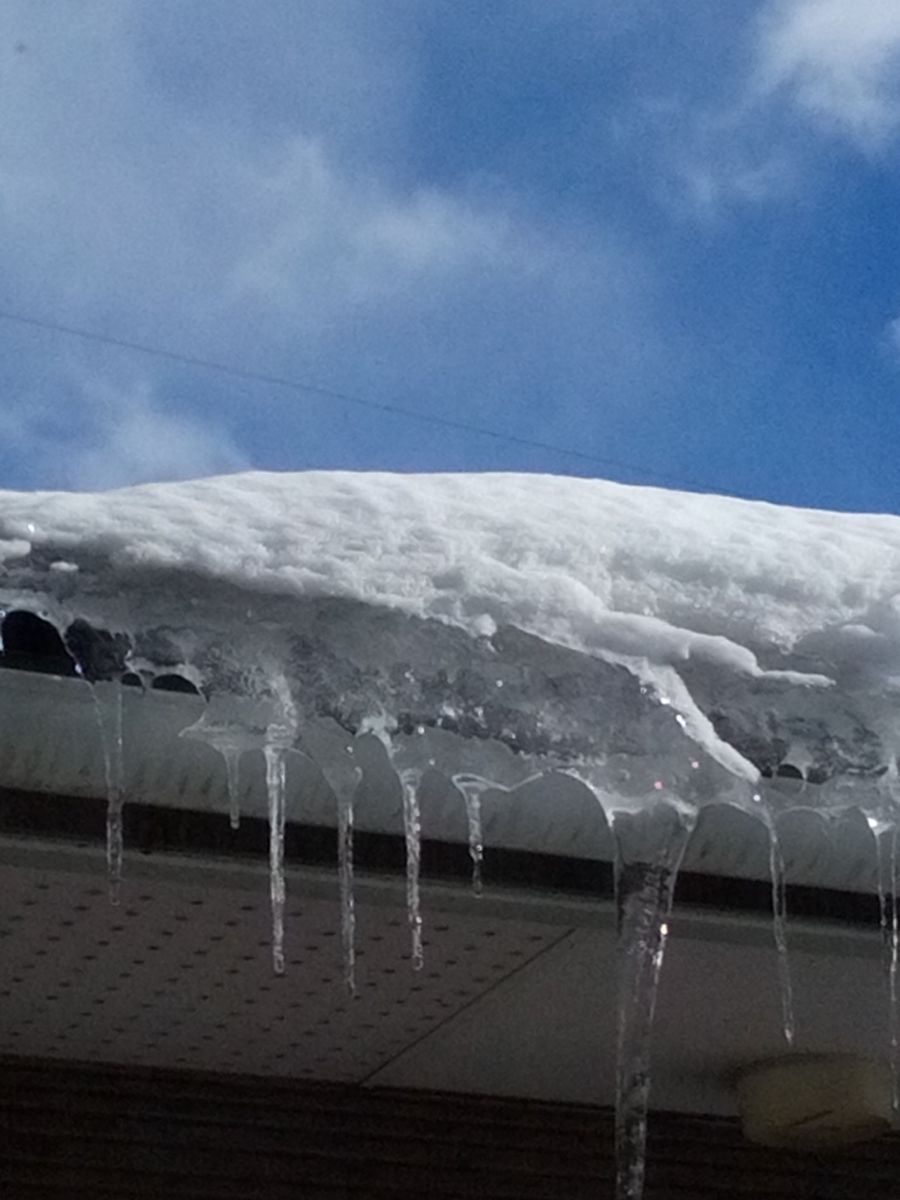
(107, 696)
(779, 924)
(276, 774)
(887, 859)
(232, 725)
(472, 790)
(345, 799)
(232, 757)
(412, 829)
(336, 760)
(280, 734)
(645, 886)
(893, 1013)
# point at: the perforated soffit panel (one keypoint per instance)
(517, 995)
(179, 974)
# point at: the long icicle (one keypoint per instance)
(276, 778)
(343, 776)
(645, 889)
(107, 696)
(412, 830)
(887, 876)
(894, 1014)
(345, 801)
(779, 925)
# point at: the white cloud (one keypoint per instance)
(132, 438)
(93, 434)
(838, 61)
(891, 339)
(826, 67)
(325, 244)
(718, 168)
(134, 206)
(109, 190)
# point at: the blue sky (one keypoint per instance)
(661, 234)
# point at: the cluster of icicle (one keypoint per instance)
(650, 839)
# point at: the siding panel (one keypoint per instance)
(88, 1131)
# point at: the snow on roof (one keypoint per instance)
(700, 596)
(595, 565)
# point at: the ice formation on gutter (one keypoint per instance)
(669, 650)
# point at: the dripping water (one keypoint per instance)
(107, 697)
(645, 886)
(412, 830)
(276, 774)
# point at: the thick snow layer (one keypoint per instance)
(593, 565)
(694, 593)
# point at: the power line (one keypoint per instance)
(313, 389)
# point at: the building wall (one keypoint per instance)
(87, 1131)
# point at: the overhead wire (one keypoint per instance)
(326, 393)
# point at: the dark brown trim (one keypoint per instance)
(78, 1130)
